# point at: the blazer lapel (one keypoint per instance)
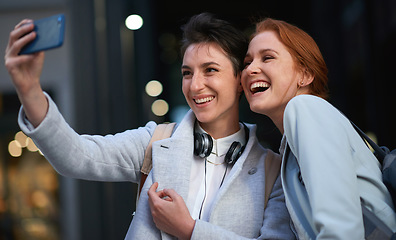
(172, 158)
(172, 165)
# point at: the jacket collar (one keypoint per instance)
(172, 157)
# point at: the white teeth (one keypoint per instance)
(259, 85)
(203, 100)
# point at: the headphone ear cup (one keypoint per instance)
(197, 143)
(203, 144)
(234, 152)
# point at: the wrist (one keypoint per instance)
(28, 88)
(35, 105)
(187, 233)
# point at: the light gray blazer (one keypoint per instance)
(337, 168)
(238, 210)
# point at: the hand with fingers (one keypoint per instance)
(25, 72)
(170, 213)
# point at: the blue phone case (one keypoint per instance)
(50, 33)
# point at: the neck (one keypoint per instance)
(221, 130)
(277, 119)
(279, 125)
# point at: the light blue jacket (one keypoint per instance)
(238, 209)
(337, 168)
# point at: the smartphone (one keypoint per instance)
(50, 33)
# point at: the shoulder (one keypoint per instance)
(309, 106)
(307, 116)
(307, 103)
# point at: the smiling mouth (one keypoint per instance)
(203, 100)
(259, 87)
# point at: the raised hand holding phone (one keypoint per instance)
(25, 71)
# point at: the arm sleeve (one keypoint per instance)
(317, 135)
(91, 157)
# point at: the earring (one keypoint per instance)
(302, 84)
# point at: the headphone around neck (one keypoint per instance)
(203, 145)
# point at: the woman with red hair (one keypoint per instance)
(327, 172)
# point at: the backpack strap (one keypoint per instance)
(162, 131)
(272, 169)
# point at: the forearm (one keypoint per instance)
(102, 158)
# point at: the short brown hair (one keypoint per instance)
(206, 28)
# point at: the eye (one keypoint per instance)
(186, 73)
(247, 61)
(267, 58)
(209, 70)
(246, 64)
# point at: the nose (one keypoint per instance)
(252, 68)
(197, 82)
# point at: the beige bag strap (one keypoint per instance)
(162, 131)
(272, 169)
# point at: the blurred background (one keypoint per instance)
(110, 76)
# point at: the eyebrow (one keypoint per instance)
(203, 65)
(268, 50)
(262, 51)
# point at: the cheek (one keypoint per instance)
(185, 92)
(245, 89)
(243, 81)
(282, 89)
(243, 76)
(185, 86)
(286, 79)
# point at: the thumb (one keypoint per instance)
(172, 194)
(153, 188)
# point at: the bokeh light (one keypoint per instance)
(134, 22)
(160, 107)
(154, 88)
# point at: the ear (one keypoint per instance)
(308, 77)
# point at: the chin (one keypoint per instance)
(203, 118)
(258, 108)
